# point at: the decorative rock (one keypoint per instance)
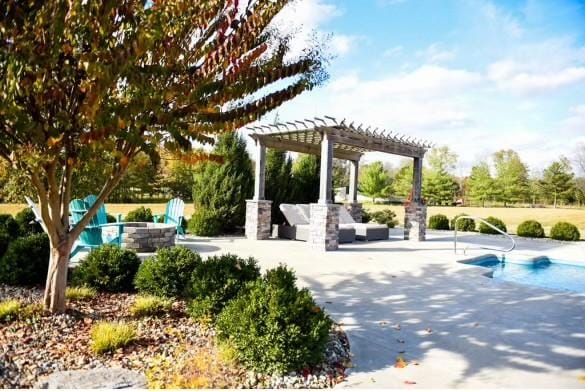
(113, 378)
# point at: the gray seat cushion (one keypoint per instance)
(293, 215)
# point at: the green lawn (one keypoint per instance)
(511, 216)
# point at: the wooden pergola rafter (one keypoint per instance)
(331, 138)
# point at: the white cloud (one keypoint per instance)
(343, 44)
(498, 20)
(392, 52)
(575, 122)
(518, 78)
(435, 54)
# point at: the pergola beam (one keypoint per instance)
(373, 143)
(296, 146)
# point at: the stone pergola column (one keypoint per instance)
(324, 224)
(353, 206)
(258, 210)
(415, 213)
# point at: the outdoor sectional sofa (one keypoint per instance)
(363, 231)
(298, 218)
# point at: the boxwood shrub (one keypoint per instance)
(565, 231)
(205, 222)
(167, 274)
(273, 326)
(26, 261)
(108, 268)
(27, 224)
(530, 229)
(486, 229)
(5, 239)
(440, 222)
(9, 225)
(141, 214)
(386, 216)
(465, 225)
(218, 280)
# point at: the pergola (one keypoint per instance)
(330, 138)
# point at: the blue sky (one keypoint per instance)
(476, 75)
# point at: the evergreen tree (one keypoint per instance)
(402, 184)
(375, 181)
(439, 185)
(511, 182)
(279, 183)
(305, 174)
(557, 181)
(480, 184)
(340, 173)
(223, 189)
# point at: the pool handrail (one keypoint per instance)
(507, 250)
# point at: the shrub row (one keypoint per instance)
(530, 228)
(385, 216)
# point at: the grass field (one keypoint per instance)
(512, 217)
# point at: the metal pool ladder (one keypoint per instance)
(506, 250)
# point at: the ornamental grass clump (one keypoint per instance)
(9, 310)
(273, 326)
(167, 274)
(530, 229)
(150, 306)
(107, 336)
(78, 293)
(217, 281)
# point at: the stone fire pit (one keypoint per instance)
(148, 237)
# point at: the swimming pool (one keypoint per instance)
(542, 272)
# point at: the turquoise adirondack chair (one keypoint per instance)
(92, 236)
(101, 216)
(174, 215)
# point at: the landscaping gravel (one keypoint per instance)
(34, 348)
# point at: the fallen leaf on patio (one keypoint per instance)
(414, 362)
(475, 324)
(582, 378)
(409, 382)
(400, 362)
(401, 351)
(328, 302)
(400, 340)
(373, 381)
(393, 276)
(397, 327)
(428, 330)
(383, 323)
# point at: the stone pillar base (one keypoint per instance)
(258, 219)
(355, 210)
(415, 222)
(324, 229)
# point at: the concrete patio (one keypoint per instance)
(461, 328)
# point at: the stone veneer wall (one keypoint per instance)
(415, 222)
(324, 228)
(258, 215)
(148, 237)
(355, 209)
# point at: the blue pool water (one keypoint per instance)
(543, 272)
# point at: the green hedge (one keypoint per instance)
(26, 261)
(464, 225)
(107, 268)
(486, 229)
(205, 222)
(530, 229)
(167, 274)
(218, 280)
(273, 326)
(439, 222)
(565, 231)
(140, 215)
(27, 224)
(9, 225)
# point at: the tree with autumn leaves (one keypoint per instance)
(84, 79)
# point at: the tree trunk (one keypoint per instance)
(57, 278)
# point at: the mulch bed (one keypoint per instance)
(36, 347)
